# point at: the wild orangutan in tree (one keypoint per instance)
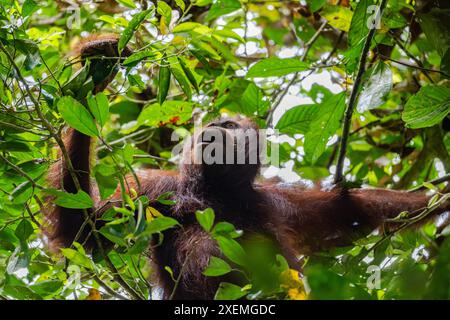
(297, 219)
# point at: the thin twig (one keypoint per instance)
(413, 66)
(411, 56)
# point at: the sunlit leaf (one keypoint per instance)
(77, 116)
(427, 107)
(276, 67)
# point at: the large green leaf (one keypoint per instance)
(324, 124)
(107, 183)
(205, 218)
(79, 200)
(165, 11)
(24, 230)
(221, 7)
(139, 56)
(427, 107)
(77, 116)
(132, 27)
(229, 291)
(252, 101)
(29, 6)
(163, 81)
(358, 27)
(276, 67)
(180, 76)
(231, 249)
(77, 257)
(99, 106)
(315, 5)
(160, 224)
(376, 88)
(216, 267)
(297, 119)
(338, 16)
(175, 112)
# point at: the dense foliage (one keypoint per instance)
(197, 60)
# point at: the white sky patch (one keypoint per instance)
(286, 173)
(289, 101)
(251, 47)
(289, 52)
(439, 167)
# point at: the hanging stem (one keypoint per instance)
(339, 177)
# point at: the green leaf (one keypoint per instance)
(24, 230)
(165, 11)
(107, 185)
(99, 106)
(325, 123)
(231, 249)
(225, 229)
(127, 3)
(222, 7)
(136, 80)
(205, 218)
(76, 81)
(315, 5)
(29, 6)
(216, 267)
(77, 116)
(16, 146)
(47, 287)
(115, 232)
(139, 56)
(160, 224)
(192, 27)
(131, 28)
(22, 193)
(297, 119)
(163, 81)
(338, 16)
(227, 33)
(229, 291)
(427, 107)
(276, 67)
(77, 258)
(181, 4)
(79, 200)
(376, 88)
(358, 27)
(180, 76)
(173, 111)
(252, 101)
(189, 74)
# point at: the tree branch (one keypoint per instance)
(351, 104)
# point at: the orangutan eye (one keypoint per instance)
(230, 125)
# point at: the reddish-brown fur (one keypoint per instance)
(299, 220)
